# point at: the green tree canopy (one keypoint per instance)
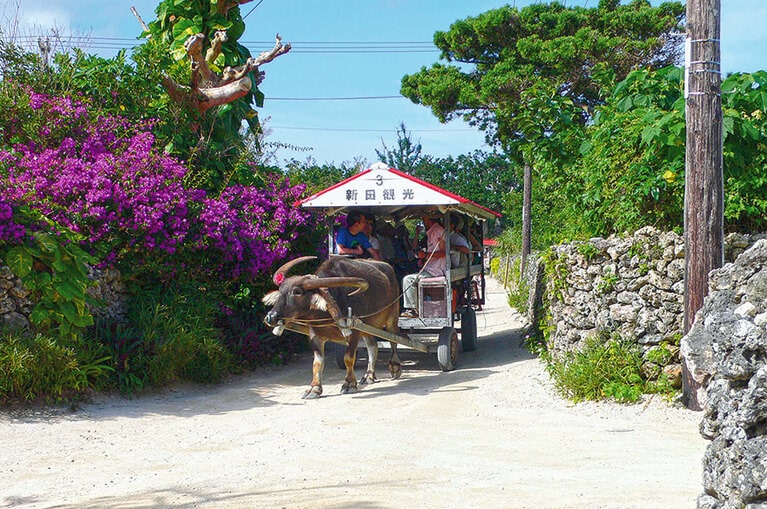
(406, 155)
(629, 170)
(495, 60)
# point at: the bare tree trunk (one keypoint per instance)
(704, 194)
(527, 193)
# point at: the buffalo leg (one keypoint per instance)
(318, 366)
(372, 346)
(350, 357)
(395, 365)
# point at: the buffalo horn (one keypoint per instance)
(334, 282)
(280, 273)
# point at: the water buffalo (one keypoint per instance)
(315, 301)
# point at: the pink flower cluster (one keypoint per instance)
(104, 179)
(10, 231)
(250, 227)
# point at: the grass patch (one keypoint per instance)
(607, 367)
(43, 367)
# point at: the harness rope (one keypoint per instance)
(331, 321)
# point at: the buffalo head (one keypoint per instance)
(305, 297)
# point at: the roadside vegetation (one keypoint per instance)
(101, 167)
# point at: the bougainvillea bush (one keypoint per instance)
(103, 178)
(70, 171)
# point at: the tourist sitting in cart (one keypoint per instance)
(434, 265)
(372, 234)
(385, 233)
(351, 239)
(459, 246)
(404, 257)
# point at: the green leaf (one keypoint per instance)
(83, 321)
(46, 242)
(218, 22)
(259, 97)
(728, 124)
(236, 30)
(223, 110)
(181, 30)
(19, 261)
(39, 315)
(42, 280)
(71, 315)
(749, 131)
(649, 134)
(585, 147)
(625, 104)
(68, 291)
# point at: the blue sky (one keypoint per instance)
(342, 130)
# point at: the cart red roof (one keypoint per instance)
(385, 190)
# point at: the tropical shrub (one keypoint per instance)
(38, 366)
(80, 186)
(606, 367)
(632, 170)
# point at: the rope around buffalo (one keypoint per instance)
(331, 321)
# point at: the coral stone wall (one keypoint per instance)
(633, 286)
(726, 351)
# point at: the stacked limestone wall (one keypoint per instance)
(633, 286)
(726, 351)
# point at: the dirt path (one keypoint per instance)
(491, 434)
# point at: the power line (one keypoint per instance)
(308, 47)
(362, 98)
(253, 9)
(346, 130)
(308, 43)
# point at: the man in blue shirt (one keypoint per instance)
(351, 239)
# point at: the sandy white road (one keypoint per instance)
(493, 433)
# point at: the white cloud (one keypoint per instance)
(38, 17)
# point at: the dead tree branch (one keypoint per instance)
(208, 89)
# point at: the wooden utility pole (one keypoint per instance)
(704, 183)
(527, 194)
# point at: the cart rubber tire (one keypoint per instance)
(447, 349)
(469, 330)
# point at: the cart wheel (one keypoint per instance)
(469, 330)
(447, 349)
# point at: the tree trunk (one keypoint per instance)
(704, 194)
(527, 194)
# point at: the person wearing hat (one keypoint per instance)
(434, 265)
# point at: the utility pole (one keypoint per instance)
(44, 43)
(527, 193)
(704, 183)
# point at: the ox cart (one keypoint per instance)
(447, 305)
